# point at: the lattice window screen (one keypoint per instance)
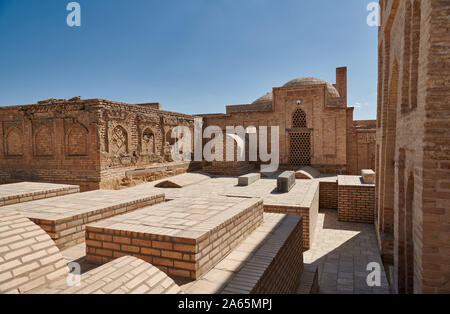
(299, 119)
(300, 149)
(119, 141)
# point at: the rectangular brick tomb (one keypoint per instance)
(22, 192)
(184, 237)
(64, 218)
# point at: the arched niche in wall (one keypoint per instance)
(13, 142)
(148, 142)
(119, 141)
(77, 141)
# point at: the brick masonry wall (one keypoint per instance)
(309, 217)
(328, 195)
(28, 256)
(83, 142)
(283, 274)
(180, 257)
(71, 231)
(356, 203)
(413, 143)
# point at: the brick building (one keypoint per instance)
(413, 144)
(92, 143)
(316, 126)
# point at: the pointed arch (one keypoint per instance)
(13, 142)
(119, 141)
(299, 119)
(77, 141)
(148, 142)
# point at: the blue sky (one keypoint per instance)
(192, 56)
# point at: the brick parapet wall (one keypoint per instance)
(356, 203)
(328, 195)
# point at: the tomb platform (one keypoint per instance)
(184, 237)
(64, 217)
(21, 192)
(269, 260)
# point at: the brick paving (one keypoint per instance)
(28, 257)
(341, 251)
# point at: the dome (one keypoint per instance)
(265, 100)
(304, 81)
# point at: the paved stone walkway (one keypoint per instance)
(342, 251)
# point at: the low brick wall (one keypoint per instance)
(175, 255)
(328, 195)
(356, 203)
(309, 217)
(283, 274)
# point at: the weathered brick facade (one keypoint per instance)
(413, 143)
(316, 126)
(91, 143)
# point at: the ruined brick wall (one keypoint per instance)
(91, 143)
(413, 146)
(52, 141)
(134, 137)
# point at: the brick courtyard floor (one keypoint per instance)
(342, 251)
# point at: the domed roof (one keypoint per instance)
(264, 100)
(332, 91)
